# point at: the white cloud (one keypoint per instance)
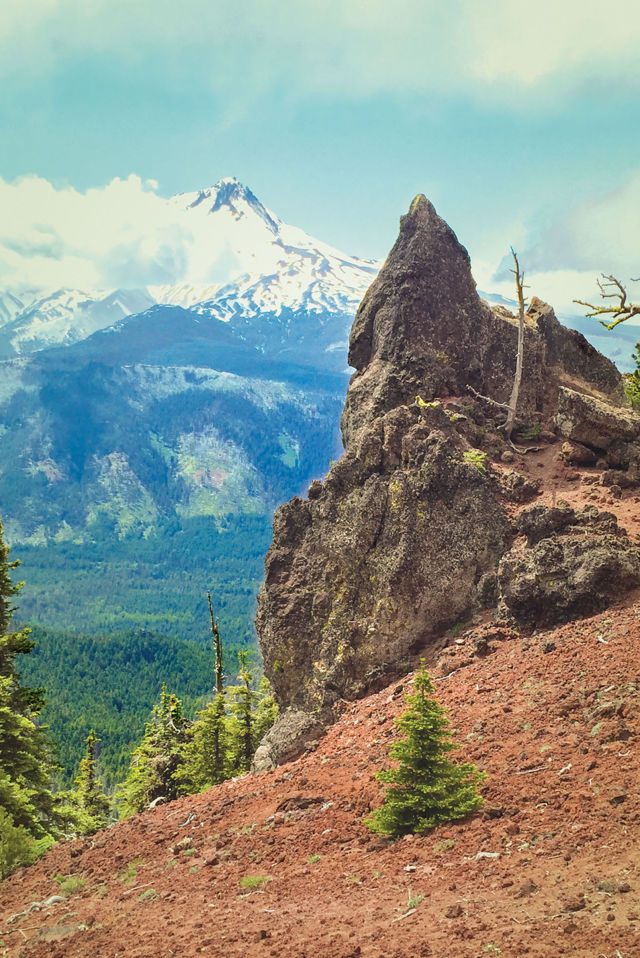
(503, 49)
(122, 234)
(600, 234)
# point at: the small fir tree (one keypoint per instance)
(205, 760)
(241, 726)
(155, 762)
(92, 802)
(426, 789)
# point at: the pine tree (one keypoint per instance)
(30, 818)
(426, 789)
(156, 761)
(205, 754)
(92, 802)
(205, 761)
(266, 711)
(241, 725)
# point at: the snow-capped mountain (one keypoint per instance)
(66, 316)
(11, 306)
(242, 263)
(271, 265)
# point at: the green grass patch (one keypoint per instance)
(252, 882)
(130, 871)
(149, 895)
(70, 884)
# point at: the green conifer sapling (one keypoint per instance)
(426, 789)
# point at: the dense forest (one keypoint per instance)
(156, 582)
(131, 718)
(110, 684)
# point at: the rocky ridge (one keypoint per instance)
(415, 528)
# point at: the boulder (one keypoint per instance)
(572, 564)
(584, 419)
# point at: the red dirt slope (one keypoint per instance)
(549, 868)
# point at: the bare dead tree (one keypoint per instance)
(611, 288)
(517, 379)
(217, 647)
(512, 405)
(219, 705)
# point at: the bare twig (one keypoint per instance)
(406, 914)
(137, 888)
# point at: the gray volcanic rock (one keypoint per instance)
(592, 422)
(405, 535)
(574, 564)
(389, 554)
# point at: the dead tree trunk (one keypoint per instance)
(517, 379)
(217, 648)
(218, 757)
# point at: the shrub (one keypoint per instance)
(70, 884)
(254, 881)
(474, 457)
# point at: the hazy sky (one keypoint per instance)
(519, 120)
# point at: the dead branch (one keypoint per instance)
(494, 402)
(611, 288)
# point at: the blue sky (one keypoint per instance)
(520, 123)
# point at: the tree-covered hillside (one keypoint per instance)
(158, 582)
(130, 490)
(110, 684)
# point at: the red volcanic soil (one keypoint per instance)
(280, 864)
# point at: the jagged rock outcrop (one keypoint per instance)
(422, 329)
(405, 535)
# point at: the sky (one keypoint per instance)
(519, 121)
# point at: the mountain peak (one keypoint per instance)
(233, 195)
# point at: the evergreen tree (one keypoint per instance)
(242, 732)
(92, 802)
(30, 819)
(205, 761)
(426, 789)
(155, 762)
(266, 711)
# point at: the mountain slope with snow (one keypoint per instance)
(223, 254)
